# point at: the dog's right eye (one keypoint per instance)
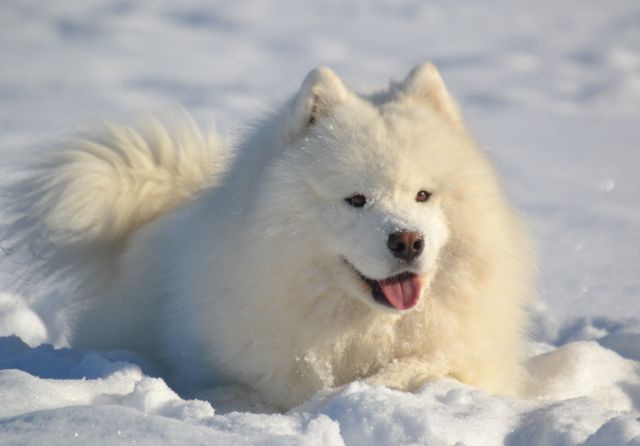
(357, 200)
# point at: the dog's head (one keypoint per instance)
(368, 179)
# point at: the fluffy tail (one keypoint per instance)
(77, 205)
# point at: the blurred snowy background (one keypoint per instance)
(550, 88)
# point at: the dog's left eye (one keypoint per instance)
(357, 200)
(423, 196)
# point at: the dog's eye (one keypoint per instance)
(423, 196)
(357, 200)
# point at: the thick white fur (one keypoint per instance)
(238, 271)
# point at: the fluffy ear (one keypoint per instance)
(424, 83)
(321, 90)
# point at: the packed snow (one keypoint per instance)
(551, 90)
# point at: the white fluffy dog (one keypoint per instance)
(347, 237)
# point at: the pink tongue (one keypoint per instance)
(402, 292)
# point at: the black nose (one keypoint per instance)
(406, 245)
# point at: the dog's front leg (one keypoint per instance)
(409, 373)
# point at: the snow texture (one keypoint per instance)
(551, 89)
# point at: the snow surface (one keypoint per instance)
(551, 89)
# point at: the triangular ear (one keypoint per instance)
(424, 83)
(321, 90)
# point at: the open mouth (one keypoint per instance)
(400, 292)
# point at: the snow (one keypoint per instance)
(551, 89)
(584, 393)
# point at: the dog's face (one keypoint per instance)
(375, 173)
(381, 192)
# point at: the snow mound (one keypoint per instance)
(586, 369)
(581, 393)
